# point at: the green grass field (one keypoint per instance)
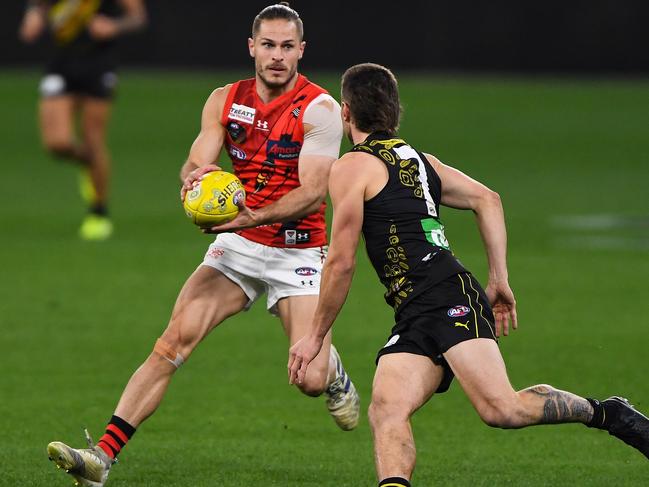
(570, 160)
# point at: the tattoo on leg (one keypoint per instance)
(561, 406)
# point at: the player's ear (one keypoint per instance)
(345, 112)
(302, 46)
(251, 47)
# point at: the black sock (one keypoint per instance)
(394, 482)
(599, 415)
(99, 209)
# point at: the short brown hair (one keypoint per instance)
(280, 10)
(372, 93)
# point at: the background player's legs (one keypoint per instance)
(57, 122)
(480, 370)
(95, 113)
(206, 299)
(403, 382)
(296, 313)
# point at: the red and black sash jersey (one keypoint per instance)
(264, 142)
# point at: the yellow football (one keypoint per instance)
(214, 199)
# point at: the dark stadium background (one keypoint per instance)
(545, 102)
(469, 35)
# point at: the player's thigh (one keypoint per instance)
(95, 114)
(56, 115)
(206, 299)
(480, 369)
(296, 314)
(403, 382)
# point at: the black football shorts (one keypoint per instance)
(94, 85)
(448, 313)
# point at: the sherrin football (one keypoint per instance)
(214, 199)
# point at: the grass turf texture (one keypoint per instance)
(77, 318)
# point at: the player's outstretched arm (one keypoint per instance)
(102, 27)
(462, 192)
(347, 192)
(208, 144)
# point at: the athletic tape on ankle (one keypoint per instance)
(163, 349)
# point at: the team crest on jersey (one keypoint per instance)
(283, 149)
(237, 153)
(459, 310)
(242, 113)
(237, 132)
(265, 175)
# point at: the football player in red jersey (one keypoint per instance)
(282, 133)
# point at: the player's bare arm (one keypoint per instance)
(102, 27)
(320, 150)
(462, 192)
(207, 146)
(34, 21)
(347, 186)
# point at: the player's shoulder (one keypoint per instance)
(350, 161)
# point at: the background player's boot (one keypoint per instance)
(623, 421)
(89, 466)
(342, 399)
(86, 188)
(95, 227)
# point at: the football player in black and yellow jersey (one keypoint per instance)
(79, 83)
(445, 323)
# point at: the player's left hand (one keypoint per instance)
(246, 218)
(102, 27)
(300, 355)
(503, 304)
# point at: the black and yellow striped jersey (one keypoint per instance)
(403, 233)
(68, 19)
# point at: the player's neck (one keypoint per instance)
(357, 136)
(267, 93)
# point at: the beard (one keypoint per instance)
(276, 84)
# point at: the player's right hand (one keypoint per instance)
(503, 304)
(194, 177)
(300, 355)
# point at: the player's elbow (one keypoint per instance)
(486, 198)
(342, 266)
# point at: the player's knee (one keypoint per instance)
(59, 147)
(384, 409)
(500, 413)
(314, 383)
(169, 351)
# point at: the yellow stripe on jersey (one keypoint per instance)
(68, 18)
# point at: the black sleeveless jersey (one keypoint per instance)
(76, 52)
(403, 233)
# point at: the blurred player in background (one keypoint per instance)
(282, 133)
(79, 84)
(445, 326)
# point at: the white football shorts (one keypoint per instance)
(258, 269)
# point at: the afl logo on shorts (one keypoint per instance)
(306, 271)
(458, 311)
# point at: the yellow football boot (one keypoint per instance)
(95, 228)
(89, 466)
